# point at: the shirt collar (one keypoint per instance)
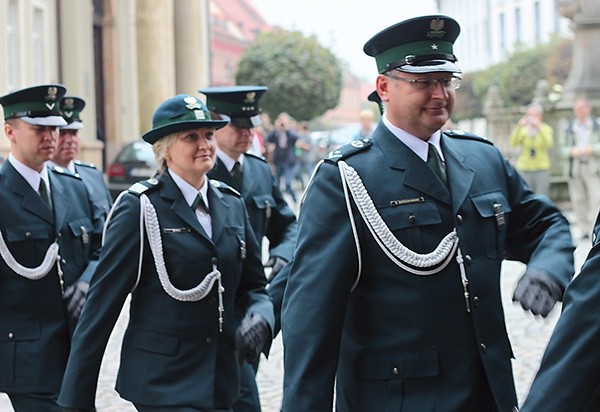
(228, 161)
(189, 192)
(418, 146)
(70, 167)
(31, 176)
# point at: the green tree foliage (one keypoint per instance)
(516, 77)
(304, 78)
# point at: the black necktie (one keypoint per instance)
(199, 203)
(434, 161)
(43, 191)
(236, 176)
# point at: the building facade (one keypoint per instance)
(493, 29)
(123, 57)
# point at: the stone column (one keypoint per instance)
(155, 55)
(77, 69)
(191, 45)
(584, 77)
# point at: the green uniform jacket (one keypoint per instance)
(34, 329)
(268, 211)
(399, 341)
(172, 353)
(94, 181)
(569, 373)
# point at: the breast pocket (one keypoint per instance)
(408, 222)
(28, 243)
(81, 233)
(493, 210)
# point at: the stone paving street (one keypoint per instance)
(529, 336)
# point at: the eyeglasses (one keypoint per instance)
(448, 83)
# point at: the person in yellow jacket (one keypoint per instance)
(534, 138)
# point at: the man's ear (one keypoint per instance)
(9, 131)
(382, 84)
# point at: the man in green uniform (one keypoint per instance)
(67, 149)
(49, 234)
(270, 215)
(394, 288)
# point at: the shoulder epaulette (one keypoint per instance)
(224, 187)
(348, 150)
(460, 134)
(144, 186)
(256, 156)
(65, 172)
(84, 164)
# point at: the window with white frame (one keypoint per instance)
(38, 46)
(13, 47)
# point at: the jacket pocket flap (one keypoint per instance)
(26, 232)
(415, 363)
(151, 342)
(78, 226)
(21, 331)
(413, 215)
(261, 201)
(487, 204)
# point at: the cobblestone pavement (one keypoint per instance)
(528, 334)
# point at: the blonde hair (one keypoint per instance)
(160, 149)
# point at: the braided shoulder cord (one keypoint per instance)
(36, 273)
(154, 237)
(392, 247)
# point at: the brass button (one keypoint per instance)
(483, 347)
(476, 300)
(395, 371)
(459, 218)
(10, 335)
(28, 235)
(412, 219)
(468, 259)
(63, 261)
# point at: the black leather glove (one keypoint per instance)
(276, 263)
(75, 297)
(251, 337)
(537, 292)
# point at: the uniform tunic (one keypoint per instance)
(34, 324)
(94, 181)
(568, 375)
(399, 341)
(268, 211)
(172, 353)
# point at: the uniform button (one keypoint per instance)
(63, 261)
(468, 259)
(60, 235)
(483, 347)
(476, 300)
(10, 335)
(395, 371)
(412, 219)
(459, 218)
(210, 340)
(214, 260)
(28, 235)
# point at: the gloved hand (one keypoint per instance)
(537, 292)
(250, 337)
(276, 263)
(75, 297)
